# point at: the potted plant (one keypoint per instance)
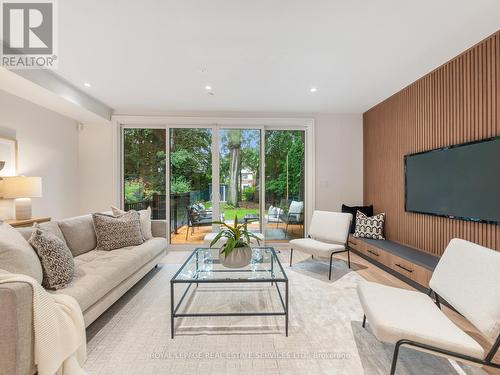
(236, 251)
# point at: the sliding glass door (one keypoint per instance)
(217, 173)
(144, 170)
(284, 181)
(239, 169)
(191, 211)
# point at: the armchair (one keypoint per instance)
(468, 278)
(327, 236)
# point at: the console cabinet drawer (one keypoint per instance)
(410, 270)
(402, 266)
(356, 244)
(376, 254)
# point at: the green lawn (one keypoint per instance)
(229, 214)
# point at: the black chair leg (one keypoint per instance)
(438, 304)
(348, 259)
(291, 255)
(187, 232)
(330, 272)
(364, 321)
(395, 358)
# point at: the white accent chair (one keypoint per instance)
(468, 278)
(328, 234)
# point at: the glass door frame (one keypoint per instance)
(262, 124)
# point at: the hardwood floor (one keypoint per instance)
(369, 272)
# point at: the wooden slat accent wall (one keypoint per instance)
(456, 103)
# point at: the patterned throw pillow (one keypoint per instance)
(145, 217)
(370, 227)
(58, 266)
(117, 232)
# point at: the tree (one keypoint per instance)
(144, 163)
(234, 145)
(281, 144)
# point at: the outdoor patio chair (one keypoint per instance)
(295, 215)
(274, 215)
(197, 217)
(327, 236)
(468, 278)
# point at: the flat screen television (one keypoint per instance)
(459, 182)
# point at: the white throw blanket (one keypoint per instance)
(60, 341)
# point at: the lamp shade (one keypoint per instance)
(22, 187)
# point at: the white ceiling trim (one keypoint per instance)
(131, 120)
(49, 91)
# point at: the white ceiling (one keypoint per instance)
(261, 55)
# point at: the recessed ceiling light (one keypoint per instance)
(313, 89)
(208, 88)
(86, 84)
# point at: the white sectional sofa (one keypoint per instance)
(101, 278)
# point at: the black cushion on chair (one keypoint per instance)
(367, 210)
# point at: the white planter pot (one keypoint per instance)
(238, 258)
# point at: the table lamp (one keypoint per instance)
(22, 189)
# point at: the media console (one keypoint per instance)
(411, 265)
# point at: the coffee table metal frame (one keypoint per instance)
(174, 308)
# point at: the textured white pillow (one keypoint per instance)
(16, 254)
(145, 217)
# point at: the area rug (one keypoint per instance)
(325, 337)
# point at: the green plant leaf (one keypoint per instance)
(217, 238)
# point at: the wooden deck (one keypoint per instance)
(273, 232)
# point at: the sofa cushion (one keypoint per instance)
(57, 261)
(50, 226)
(16, 254)
(79, 234)
(97, 272)
(145, 217)
(117, 232)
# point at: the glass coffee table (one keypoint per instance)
(203, 267)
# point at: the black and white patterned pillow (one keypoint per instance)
(117, 232)
(370, 226)
(58, 265)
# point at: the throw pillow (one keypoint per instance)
(16, 254)
(370, 227)
(117, 232)
(367, 210)
(79, 234)
(144, 216)
(57, 261)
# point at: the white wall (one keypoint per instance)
(48, 144)
(97, 153)
(338, 172)
(339, 160)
